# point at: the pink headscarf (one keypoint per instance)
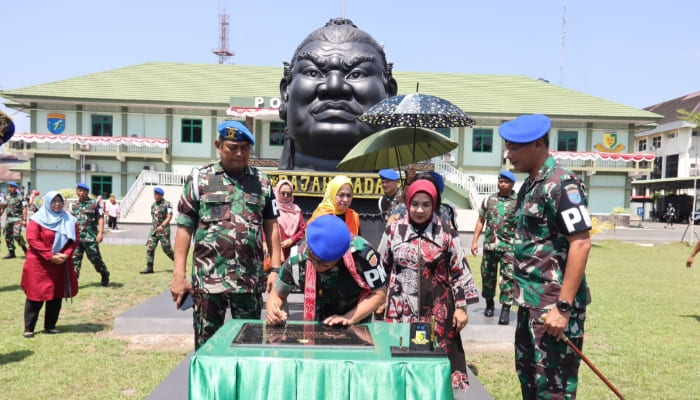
(421, 185)
(289, 212)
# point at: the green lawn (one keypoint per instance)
(642, 331)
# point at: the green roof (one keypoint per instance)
(214, 84)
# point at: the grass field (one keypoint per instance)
(641, 332)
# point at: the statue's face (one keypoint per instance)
(332, 84)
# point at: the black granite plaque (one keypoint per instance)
(304, 335)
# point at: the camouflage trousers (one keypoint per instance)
(13, 232)
(92, 250)
(210, 311)
(152, 245)
(547, 368)
(489, 274)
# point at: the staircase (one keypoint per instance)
(136, 205)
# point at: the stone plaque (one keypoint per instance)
(304, 335)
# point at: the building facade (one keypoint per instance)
(105, 128)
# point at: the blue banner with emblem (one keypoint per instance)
(56, 123)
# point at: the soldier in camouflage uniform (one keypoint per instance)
(340, 274)
(497, 214)
(161, 214)
(91, 226)
(226, 207)
(392, 193)
(552, 243)
(16, 218)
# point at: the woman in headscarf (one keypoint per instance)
(48, 274)
(429, 274)
(336, 201)
(291, 221)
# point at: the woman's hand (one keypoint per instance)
(460, 319)
(286, 243)
(58, 258)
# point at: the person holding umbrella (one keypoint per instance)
(48, 274)
(551, 247)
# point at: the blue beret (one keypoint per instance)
(526, 128)
(158, 190)
(81, 185)
(12, 183)
(234, 130)
(7, 128)
(507, 174)
(389, 174)
(328, 237)
(439, 180)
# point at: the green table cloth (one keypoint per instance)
(221, 371)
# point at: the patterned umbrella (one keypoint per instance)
(416, 109)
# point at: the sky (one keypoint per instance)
(631, 52)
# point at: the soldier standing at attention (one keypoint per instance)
(497, 214)
(226, 207)
(552, 243)
(392, 194)
(161, 214)
(16, 218)
(91, 224)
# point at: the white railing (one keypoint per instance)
(456, 177)
(149, 178)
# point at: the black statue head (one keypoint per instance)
(337, 73)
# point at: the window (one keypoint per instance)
(567, 141)
(482, 141)
(656, 173)
(671, 166)
(191, 131)
(642, 145)
(444, 131)
(656, 142)
(276, 132)
(101, 185)
(101, 125)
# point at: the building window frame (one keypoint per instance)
(101, 185)
(642, 145)
(276, 133)
(482, 140)
(102, 125)
(567, 140)
(191, 130)
(656, 142)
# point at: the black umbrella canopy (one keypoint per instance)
(416, 109)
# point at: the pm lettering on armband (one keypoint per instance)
(576, 219)
(375, 277)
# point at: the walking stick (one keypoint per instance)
(588, 362)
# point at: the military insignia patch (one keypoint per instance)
(372, 258)
(233, 133)
(573, 193)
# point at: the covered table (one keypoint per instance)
(221, 371)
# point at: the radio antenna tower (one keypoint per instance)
(563, 47)
(223, 53)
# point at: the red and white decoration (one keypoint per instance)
(595, 156)
(77, 139)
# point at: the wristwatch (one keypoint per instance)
(563, 305)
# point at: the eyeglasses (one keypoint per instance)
(286, 194)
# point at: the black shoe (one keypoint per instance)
(488, 312)
(105, 279)
(148, 270)
(505, 315)
(9, 255)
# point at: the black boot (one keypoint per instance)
(25, 250)
(148, 270)
(105, 279)
(488, 312)
(505, 315)
(9, 255)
